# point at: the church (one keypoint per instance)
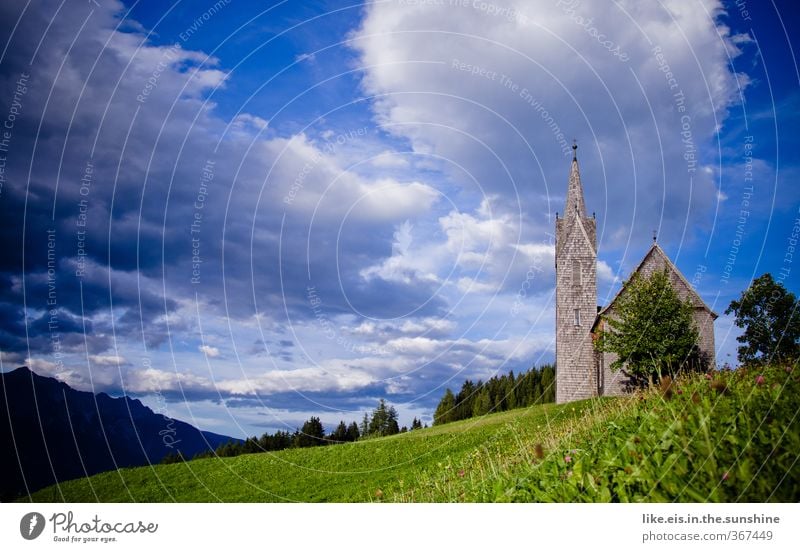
(582, 372)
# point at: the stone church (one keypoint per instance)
(581, 372)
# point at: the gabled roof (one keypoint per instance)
(656, 250)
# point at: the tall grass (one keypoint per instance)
(730, 436)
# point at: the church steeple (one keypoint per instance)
(576, 295)
(574, 204)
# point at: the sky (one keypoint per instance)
(247, 213)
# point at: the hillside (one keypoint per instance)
(54, 433)
(733, 436)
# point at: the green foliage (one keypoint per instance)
(352, 432)
(771, 321)
(312, 434)
(445, 410)
(173, 458)
(383, 421)
(651, 330)
(500, 393)
(731, 438)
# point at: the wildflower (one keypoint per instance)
(461, 473)
(708, 376)
(725, 476)
(679, 391)
(568, 459)
(759, 379)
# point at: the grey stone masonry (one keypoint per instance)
(576, 296)
(656, 260)
(581, 372)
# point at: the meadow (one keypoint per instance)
(723, 437)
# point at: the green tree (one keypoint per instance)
(352, 432)
(340, 433)
(384, 420)
(768, 313)
(312, 434)
(651, 330)
(483, 403)
(445, 410)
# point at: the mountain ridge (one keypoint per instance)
(57, 433)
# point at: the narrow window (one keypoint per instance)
(576, 273)
(577, 317)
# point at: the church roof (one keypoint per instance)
(656, 250)
(574, 205)
(575, 220)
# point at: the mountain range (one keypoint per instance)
(52, 433)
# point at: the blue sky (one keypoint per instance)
(259, 212)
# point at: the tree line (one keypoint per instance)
(498, 394)
(381, 422)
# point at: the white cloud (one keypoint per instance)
(108, 360)
(605, 273)
(209, 351)
(506, 89)
(390, 160)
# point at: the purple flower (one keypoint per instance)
(568, 459)
(759, 379)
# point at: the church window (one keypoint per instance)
(576, 273)
(577, 317)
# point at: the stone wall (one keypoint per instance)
(576, 375)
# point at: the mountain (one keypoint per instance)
(51, 433)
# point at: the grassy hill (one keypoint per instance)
(733, 436)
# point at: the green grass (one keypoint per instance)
(370, 470)
(731, 438)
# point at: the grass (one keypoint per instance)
(733, 437)
(370, 470)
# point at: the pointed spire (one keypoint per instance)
(575, 189)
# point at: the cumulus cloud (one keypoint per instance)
(503, 91)
(209, 351)
(406, 246)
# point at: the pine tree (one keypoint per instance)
(391, 427)
(352, 432)
(340, 433)
(445, 410)
(483, 403)
(312, 433)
